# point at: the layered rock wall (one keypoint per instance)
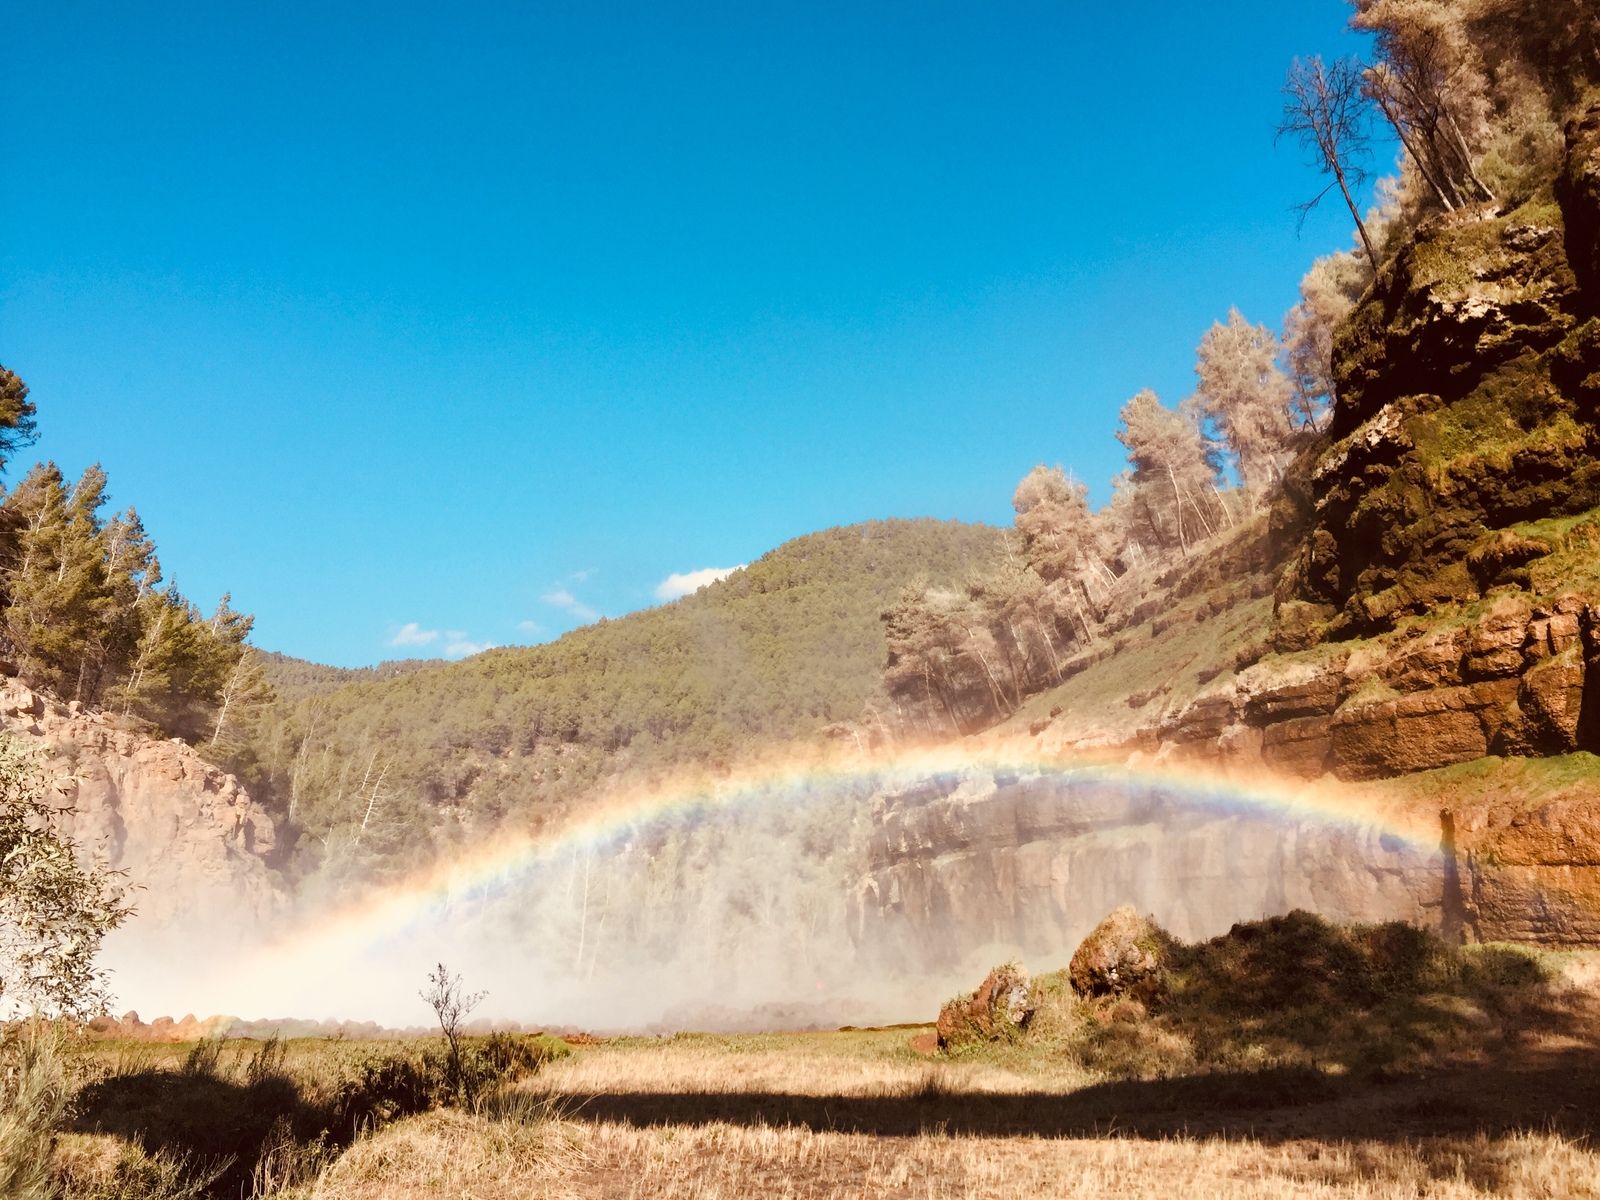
(978, 865)
(1521, 677)
(960, 866)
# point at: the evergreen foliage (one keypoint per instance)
(295, 679)
(85, 617)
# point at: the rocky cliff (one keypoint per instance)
(186, 833)
(978, 862)
(981, 863)
(1434, 560)
(1431, 642)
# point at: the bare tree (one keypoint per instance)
(452, 1004)
(1415, 87)
(1326, 112)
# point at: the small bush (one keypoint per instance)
(381, 1087)
(267, 1063)
(1295, 992)
(205, 1058)
(1302, 961)
(133, 1174)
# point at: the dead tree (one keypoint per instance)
(1326, 113)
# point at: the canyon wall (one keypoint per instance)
(1031, 862)
(1516, 678)
(978, 863)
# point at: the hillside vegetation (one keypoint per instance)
(780, 650)
(1411, 471)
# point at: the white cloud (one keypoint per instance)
(563, 599)
(457, 646)
(412, 634)
(532, 627)
(676, 585)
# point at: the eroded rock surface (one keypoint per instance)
(980, 863)
(185, 831)
(1522, 677)
(964, 864)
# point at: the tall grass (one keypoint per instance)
(33, 1095)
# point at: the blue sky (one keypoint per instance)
(477, 320)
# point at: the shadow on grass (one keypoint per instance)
(1277, 1104)
(195, 1117)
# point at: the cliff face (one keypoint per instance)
(981, 863)
(1437, 586)
(187, 834)
(961, 864)
(1467, 402)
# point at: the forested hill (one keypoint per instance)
(374, 770)
(295, 679)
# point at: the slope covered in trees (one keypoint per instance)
(376, 771)
(296, 679)
(86, 615)
(1411, 474)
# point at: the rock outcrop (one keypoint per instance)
(1002, 1006)
(1120, 955)
(1465, 407)
(1510, 675)
(186, 833)
(980, 863)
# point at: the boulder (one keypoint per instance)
(1121, 955)
(1001, 1006)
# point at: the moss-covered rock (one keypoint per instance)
(1579, 190)
(1123, 955)
(1468, 388)
(1000, 1009)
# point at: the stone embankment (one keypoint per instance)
(184, 831)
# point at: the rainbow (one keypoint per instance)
(367, 929)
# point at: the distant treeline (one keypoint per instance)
(380, 772)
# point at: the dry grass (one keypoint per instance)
(858, 1114)
(857, 1063)
(448, 1154)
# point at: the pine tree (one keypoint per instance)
(1174, 473)
(1245, 394)
(17, 412)
(59, 616)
